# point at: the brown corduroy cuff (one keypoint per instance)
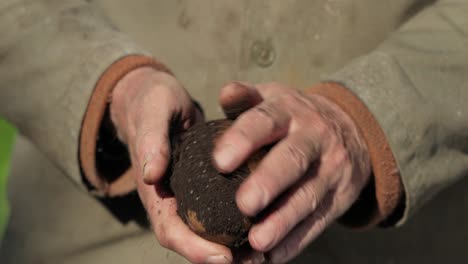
(386, 189)
(92, 122)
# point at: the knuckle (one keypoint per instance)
(136, 113)
(321, 223)
(345, 156)
(163, 243)
(161, 235)
(290, 98)
(142, 141)
(298, 157)
(281, 222)
(169, 241)
(307, 199)
(242, 138)
(322, 129)
(341, 157)
(258, 182)
(297, 104)
(313, 146)
(266, 114)
(144, 134)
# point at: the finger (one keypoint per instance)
(152, 149)
(237, 97)
(291, 209)
(153, 124)
(261, 125)
(285, 164)
(173, 234)
(305, 232)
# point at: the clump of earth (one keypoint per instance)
(205, 197)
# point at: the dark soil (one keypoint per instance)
(205, 197)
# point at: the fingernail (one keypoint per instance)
(188, 123)
(224, 157)
(220, 259)
(264, 235)
(147, 158)
(251, 200)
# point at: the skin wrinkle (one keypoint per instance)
(138, 132)
(298, 157)
(359, 164)
(296, 239)
(255, 73)
(319, 125)
(268, 112)
(377, 205)
(287, 198)
(348, 136)
(293, 107)
(295, 103)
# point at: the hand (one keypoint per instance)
(312, 175)
(146, 105)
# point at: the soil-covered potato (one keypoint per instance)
(205, 197)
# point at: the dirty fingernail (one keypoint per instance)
(146, 160)
(224, 157)
(220, 259)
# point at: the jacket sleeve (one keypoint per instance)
(416, 86)
(52, 54)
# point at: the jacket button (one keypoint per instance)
(263, 53)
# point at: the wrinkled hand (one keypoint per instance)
(309, 178)
(146, 104)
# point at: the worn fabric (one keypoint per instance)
(92, 120)
(416, 85)
(52, 53)
(382, 197)
(407, 64)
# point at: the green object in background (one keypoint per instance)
(7, 135)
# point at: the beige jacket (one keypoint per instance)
(399, 69)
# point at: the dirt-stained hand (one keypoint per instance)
(146, 105)
(312, 175)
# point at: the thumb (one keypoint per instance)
(156, 137)
(153, 152)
